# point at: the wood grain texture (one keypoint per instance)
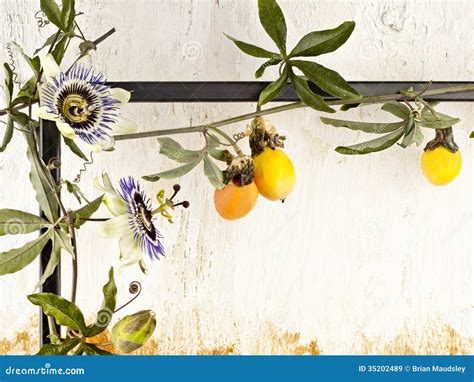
(364, 257)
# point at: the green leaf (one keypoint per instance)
(64, 312)
(432, 104)
(213, 173)
(20, 118)
(52, 262)
(41, 185)
(471, 135)
(372, 146)
(74, 148)
(214, 151)
(251, 49)
(306, 95)
(413, 134)
(76, 191)
(18, 258)
(321, 42)
(7, 136)
(8, 84)
(60, 49)
(443, 121)
(52, 12)
(349, 106)
(63, 240)
(259, 72)
(91, 349)
(375, 128)
(87, 211)
(274, 89)
(60, 349)
(397, 109)
(173, 173)
(28, 90)
(173, 150)
(14, 222)
(104, 315)
(68, 14)
(273, 21)
(327, 79)
(409, 132)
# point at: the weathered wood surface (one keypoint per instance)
(364, 257)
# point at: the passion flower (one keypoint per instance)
(82, 105)
(133, 221)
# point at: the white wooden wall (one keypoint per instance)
(364, 257)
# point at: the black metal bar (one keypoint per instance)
(50, 147)
(241, 91)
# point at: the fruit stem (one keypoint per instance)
(291, 106)
(444, 137)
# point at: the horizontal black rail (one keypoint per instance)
(241, 91)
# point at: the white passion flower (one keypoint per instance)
(133, 221)
(82, 105)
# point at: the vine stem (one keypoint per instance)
(291, 106)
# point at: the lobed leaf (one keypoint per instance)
(274, 89)
(18, 258)
(63, 241)
(63, 311)
(213, 173)
(397, 109)
(59, 349)
(68, 14)
(325, 41)
(8, 83)
(41, 185)
(52, 262)
(8, 135)
(251, 49)
(175, 172)
(306, 95)
(441, 121)
(74, 148)
(273, 21)
(372, 146)
(87, 211)
(14, 222)
(173, 150)
(52, 12)
(366, 127)
(327, 79)
(259, 72)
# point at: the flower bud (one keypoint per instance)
(131, 332)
